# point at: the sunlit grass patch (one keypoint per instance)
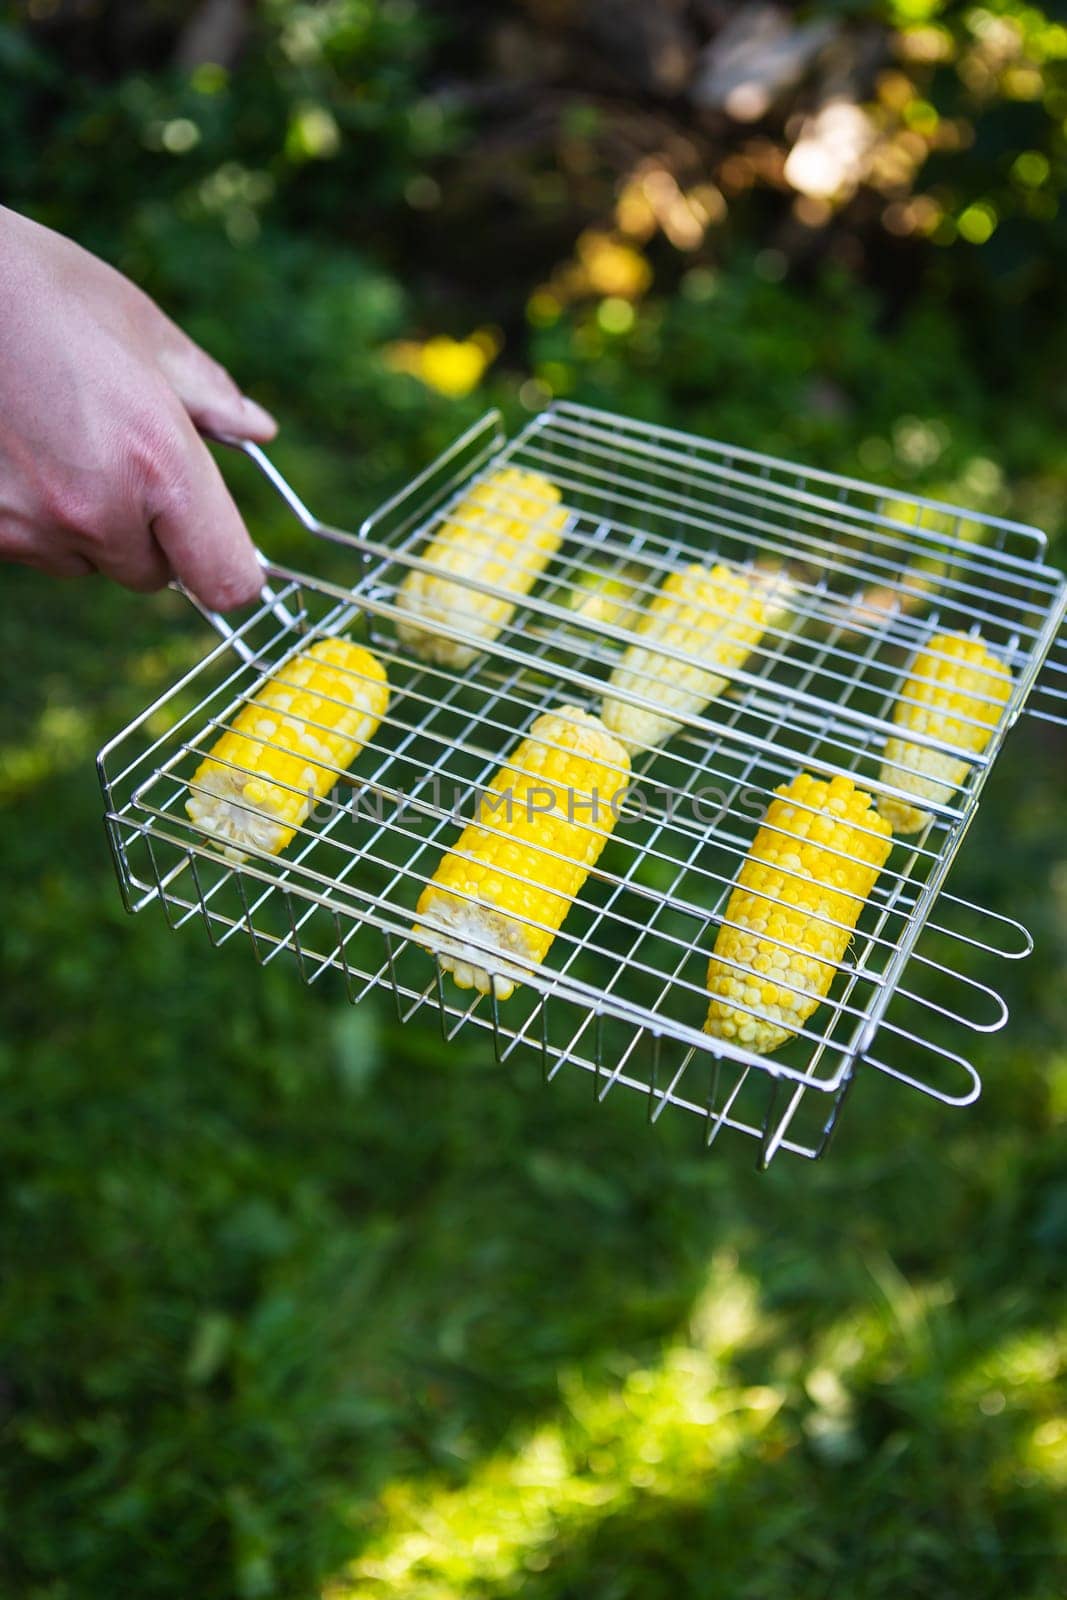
(660, 1431)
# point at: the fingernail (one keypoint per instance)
(257, 415)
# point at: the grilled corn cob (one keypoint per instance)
(504, 533)
(715, 616)
(814, 861)
(955, 692)
(285, 748)
(510, 879)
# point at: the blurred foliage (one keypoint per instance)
(293, 1297)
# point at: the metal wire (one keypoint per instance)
(872, 577)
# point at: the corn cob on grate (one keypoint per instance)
(790, 917)
(503, 533)
(955, 692)
(714, 616)
(287, 746)
(513, 874)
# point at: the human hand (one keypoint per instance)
(101, 395)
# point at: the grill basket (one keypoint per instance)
(622, 994)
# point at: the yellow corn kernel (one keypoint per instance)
(286, 747)
(955, 692)
(715, 617)
(503, 532)
(510, 879)
(812, 866)
(601, 595)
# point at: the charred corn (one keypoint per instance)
(955, 692)
(790, 916)
(285, 748)
(511, 878)
(503, 533)
(714, 616)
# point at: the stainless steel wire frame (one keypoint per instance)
(875, 574)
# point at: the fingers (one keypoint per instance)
(136, 561)
(209, 394)
(113, 539)
(198, 530)
(44, 549)
(57, 563)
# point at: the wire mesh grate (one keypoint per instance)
(872, 575)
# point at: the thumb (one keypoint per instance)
(210, 396)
